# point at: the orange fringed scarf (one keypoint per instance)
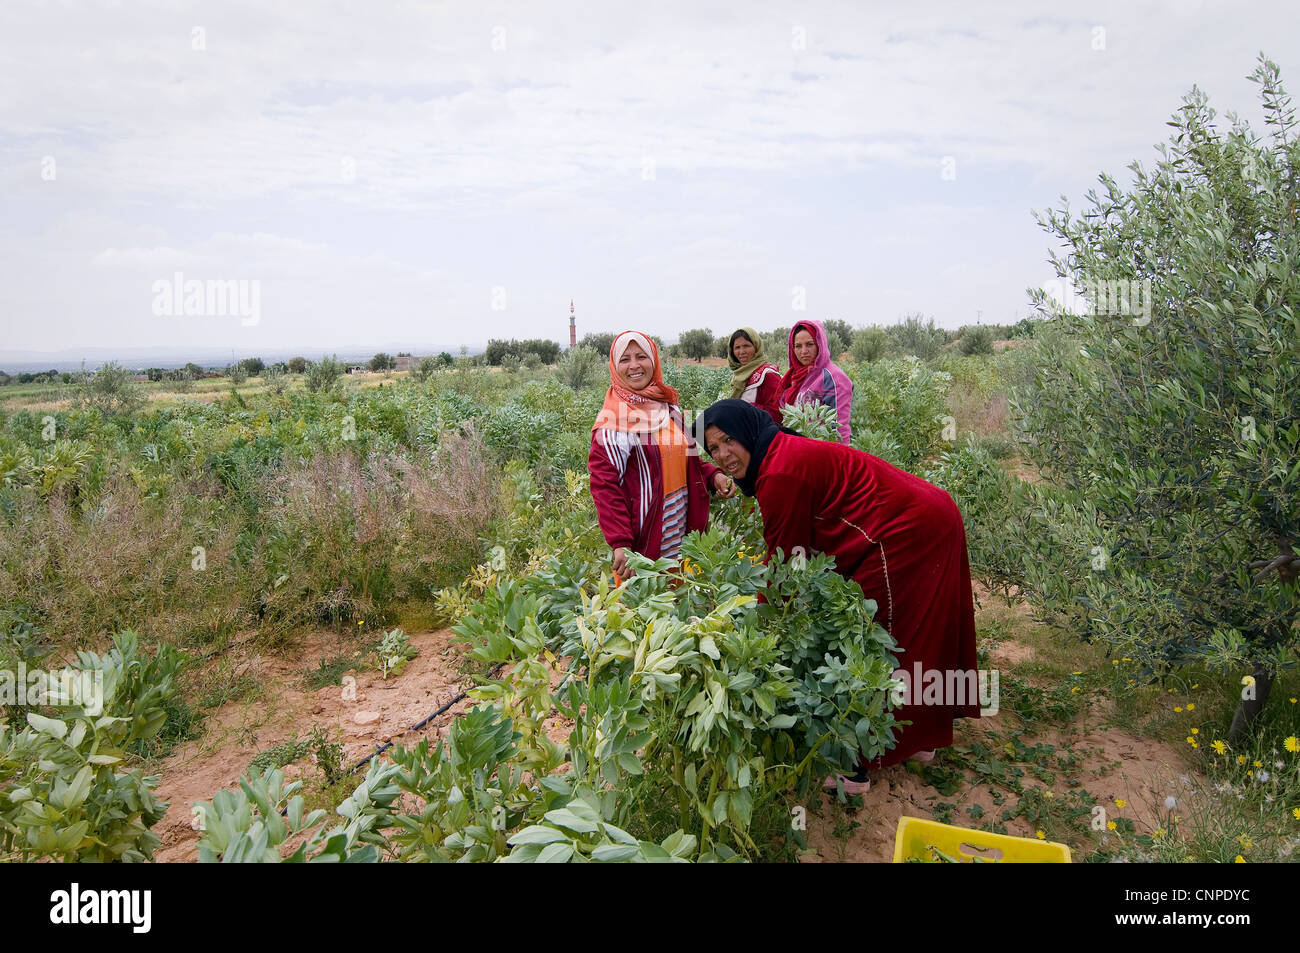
(646, 411)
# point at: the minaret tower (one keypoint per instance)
(573, 326)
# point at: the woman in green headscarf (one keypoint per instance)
(752, 378)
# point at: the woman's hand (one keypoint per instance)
(620, 562)
(724, 485)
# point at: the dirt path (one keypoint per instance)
(1116, 765)
(236, 732)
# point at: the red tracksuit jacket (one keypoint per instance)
(627, 486)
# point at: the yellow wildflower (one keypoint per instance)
(1076, 673)
(1292, 744)
(1295, 812)
(1239, 859)
(1120, 802)
(1241, 759)
(1259, 764)
(1191, 740)
(1191, 707)
(1110, 825)
(1293, 701)
(1245, 842)
(1126, 659)
(1220, 747)
(1040, 835)
(1074, 690)
(1178, 708)
(1160, 832)
(1196, 731)
(1196, 686)
(1114, 661)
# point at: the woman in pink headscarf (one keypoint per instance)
(813, 377)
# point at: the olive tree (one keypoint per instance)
(1164, 412)
(697, 343)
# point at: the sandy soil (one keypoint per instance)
(381, 711)
(1137, 770)
(1119, 765)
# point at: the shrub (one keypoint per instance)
(112, 390)
(352, 536)
(599, 342)
(1167, 417)
(869, 344)
(275, 379)
(977, 340)
(905, 400)
(579, 367)
(324, 374)
(917, 337)
(67, 794)
(697, 344)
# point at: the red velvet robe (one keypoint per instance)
(902, 540)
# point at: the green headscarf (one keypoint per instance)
(740, 373)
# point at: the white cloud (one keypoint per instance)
(387, 158)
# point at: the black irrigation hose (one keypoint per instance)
(380, 749)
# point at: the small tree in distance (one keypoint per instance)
(697, 343)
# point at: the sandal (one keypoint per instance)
(858, 784)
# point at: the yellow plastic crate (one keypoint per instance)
(916, 836)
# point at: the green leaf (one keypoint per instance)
(555, 854)
(50, 726)
(537, 834)
(566, 818)
(615, 853)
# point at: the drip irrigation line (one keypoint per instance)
(442, 709)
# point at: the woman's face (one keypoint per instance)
(730, 455)
(743, 349)
(805, 347)
(636, 366)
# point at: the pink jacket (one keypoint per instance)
(825, 383)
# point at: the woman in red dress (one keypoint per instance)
(900, 538)
(752, 378)
(650, 489)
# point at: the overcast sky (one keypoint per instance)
(444, 173)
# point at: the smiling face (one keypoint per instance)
(743, 349)
(730, 455)
(636, 366)
(805, 347)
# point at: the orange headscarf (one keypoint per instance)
(645, 411)
(633, 411)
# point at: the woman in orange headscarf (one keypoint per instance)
(647, 479)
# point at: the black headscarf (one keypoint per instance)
(752, 428)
